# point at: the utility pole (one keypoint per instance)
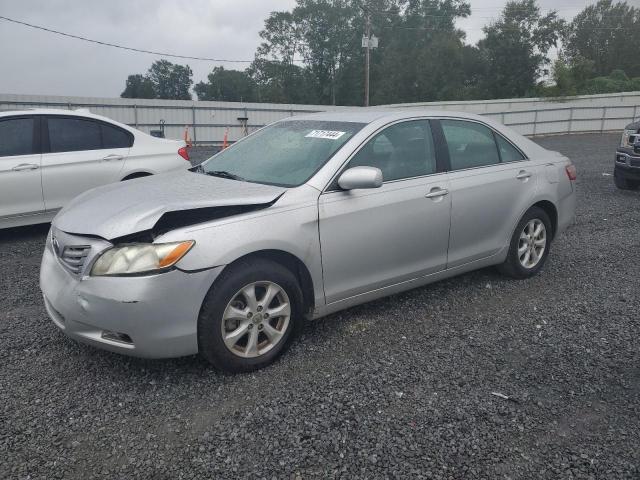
(368, 43)
(367, 56)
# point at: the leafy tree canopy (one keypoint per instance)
(313, 54)
(227, 86)
(607, 34)
(164, 80)
(138, 86)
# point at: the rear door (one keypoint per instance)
(491, 184)
(81, 153)
(373, 238)
(20, 185)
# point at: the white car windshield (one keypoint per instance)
(286, 154)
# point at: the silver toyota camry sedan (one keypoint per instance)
(305, 217)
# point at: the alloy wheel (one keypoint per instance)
(256, 319)
(532, 243)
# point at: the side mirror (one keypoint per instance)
(360, 177)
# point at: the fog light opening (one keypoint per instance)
(117, 337)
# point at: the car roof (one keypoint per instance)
(80, 112)
(370, 115)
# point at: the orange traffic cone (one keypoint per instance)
(225, 140)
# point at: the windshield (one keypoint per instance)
(286, 154)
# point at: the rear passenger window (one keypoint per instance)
(113, 137)
(508, 153)
(16, 137)
(73, 134)
(403, 150)
(470, 144)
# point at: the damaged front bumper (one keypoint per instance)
(153, 316)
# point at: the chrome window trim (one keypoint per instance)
(369, 138)
(495, 132)
(382, 127)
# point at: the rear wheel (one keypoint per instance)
(249, 316)
(529, 245)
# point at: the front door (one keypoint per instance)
(373, 238)
(20, 184)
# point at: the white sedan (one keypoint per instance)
(48, 157)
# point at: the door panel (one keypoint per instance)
(486, 204)
(378, 237)
(20, 183)
(77, 160)
(491, 184)
(66, 175)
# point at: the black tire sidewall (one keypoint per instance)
(622, 182)
(210, 343)
(513, 265)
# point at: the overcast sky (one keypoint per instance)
(37, 62)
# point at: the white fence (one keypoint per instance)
(209, 120)
(542, 116)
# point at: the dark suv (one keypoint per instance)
(626, 173)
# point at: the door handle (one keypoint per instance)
(25, 166)
(523, 174)
(437, 192)
(113, 156)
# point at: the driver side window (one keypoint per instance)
(403, 150)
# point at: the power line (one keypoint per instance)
(401, 27)
(122, 47)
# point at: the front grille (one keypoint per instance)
(634, 162)
(74, 256)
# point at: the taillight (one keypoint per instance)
(184, 153)
(571, 172)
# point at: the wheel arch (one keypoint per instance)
(292, 263)
(552, 211)
(138, 174)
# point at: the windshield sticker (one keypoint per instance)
(328, 134)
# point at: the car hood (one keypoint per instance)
(126, 208)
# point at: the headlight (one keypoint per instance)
(140, 258)
(624, 141)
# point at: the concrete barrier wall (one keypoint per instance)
(209, 120)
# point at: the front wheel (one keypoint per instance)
(249, 316)
(622, 182)
(529, 245)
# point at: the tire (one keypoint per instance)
(622, 182)
(243, 352)
(514, 266)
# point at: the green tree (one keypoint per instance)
(421, 55)
(569, 78)
(138, 86)
(171, 81)
(227, 86)
(277, 77)
(279, 82)
(516, 48)
(326, 28)
(607, 34)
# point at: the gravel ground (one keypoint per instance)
(400, 387)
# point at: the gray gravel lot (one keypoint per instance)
(400, 387)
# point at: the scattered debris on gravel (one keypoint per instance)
(401, 387)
